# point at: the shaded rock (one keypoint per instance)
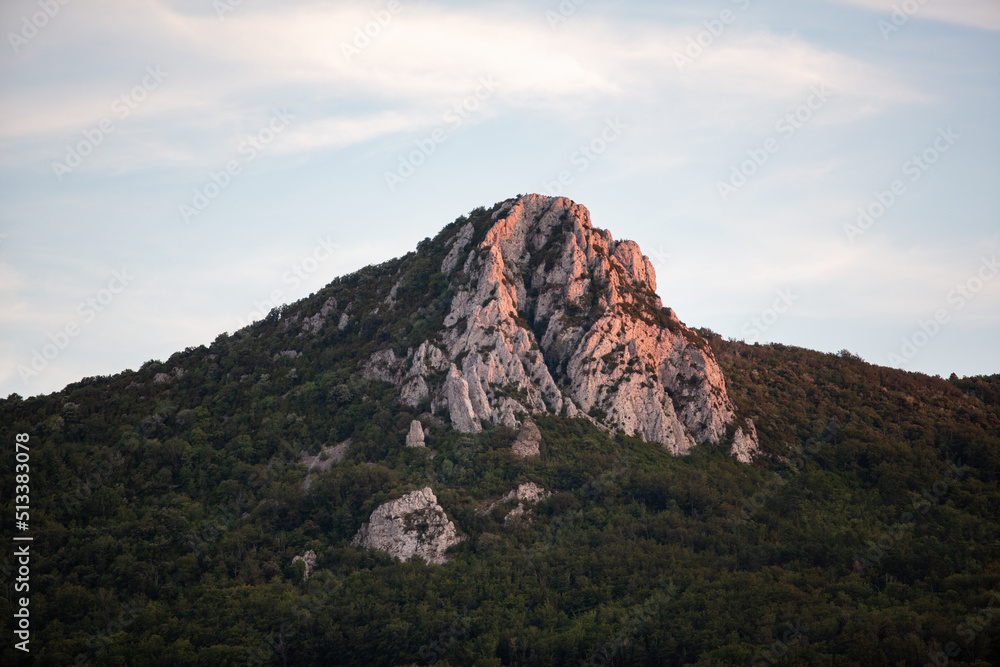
(411, 526)
(414, 391)
(390, 300)
(745, 444)
(524, 493)
(528, 440)
(463, 417)
(315, 323)
(310, 562)
(164, 378)
(415, 438)
(383, 365)
(322, 461)
(426, 359)
(516, 514)
(528, 492)
(461, 241)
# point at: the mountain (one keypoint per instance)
(550, 315)
(501, 449)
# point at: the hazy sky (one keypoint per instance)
(822, 174)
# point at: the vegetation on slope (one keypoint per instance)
(166, 514)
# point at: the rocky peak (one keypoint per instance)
(550, 315)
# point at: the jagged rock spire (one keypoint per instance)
(552, 315)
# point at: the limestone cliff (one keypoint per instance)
(550, 315)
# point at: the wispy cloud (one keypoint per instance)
(354, 117)
(226, 74)
(983, 14)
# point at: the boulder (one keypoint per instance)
(411, 526)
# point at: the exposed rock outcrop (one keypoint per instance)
(463, 416)
(528, 440)
(165, 378)
(524, 493)
(415, 438)
(745, 443)
(552, 315)
(315, 323)
(309, 559)
(528, 492)
(326, 457)
(412, 525)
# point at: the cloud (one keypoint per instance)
(983, 14)
(226, 75)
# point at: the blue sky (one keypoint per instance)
(169, 169)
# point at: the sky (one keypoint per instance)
(821, 174)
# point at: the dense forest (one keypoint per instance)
(167, 505)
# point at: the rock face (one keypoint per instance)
(551, 315)
(413, 525)
(528, 440)
(415, 438)
(315, 323)
(322, 461)
(529, 492)
(524, 493)
(309, 559)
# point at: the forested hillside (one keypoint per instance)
(168, 504)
